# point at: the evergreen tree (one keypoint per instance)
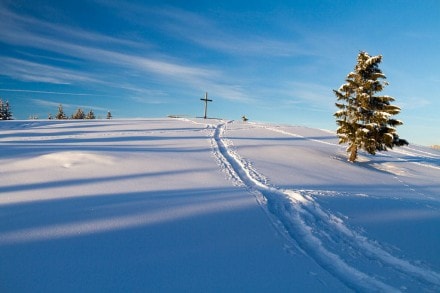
(5, 110)
(90, 115)
(109, 115)
(364, 116)
(60, 115)
(2, 111)
(79, 114)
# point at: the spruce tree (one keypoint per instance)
(364, 116)
(5, 110)
(60, 115)
(90, 115)
(109, 115)
(79, 114)
(2, 110)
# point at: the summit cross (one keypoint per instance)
(206, 100)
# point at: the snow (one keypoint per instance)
(211, 206)
(373, 59)
(340, 113)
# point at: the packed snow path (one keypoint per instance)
(354, 259)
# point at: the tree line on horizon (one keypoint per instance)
(6, 113)
(79, 114)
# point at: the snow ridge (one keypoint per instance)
(349, 256)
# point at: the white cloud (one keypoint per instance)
(209, 34)
(149, 100)
(55, 105)
(31, 71)
(27, 31)
(104, 51)
(48, 92)
(15, 25)
(312, 92)
(414, 102)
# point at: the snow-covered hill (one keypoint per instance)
(196, 205)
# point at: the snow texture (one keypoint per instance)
(166, 205)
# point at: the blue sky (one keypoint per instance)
(273, 61)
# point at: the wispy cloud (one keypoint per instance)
(150, 101)
(49, 92)
(45, 103)
(206, 33)
(213, 34)
(15, 24)
(55, 105)
(74, 47)
(31, 71)
(28, 32)
(311, 92)
(112, 57)
(414, 102)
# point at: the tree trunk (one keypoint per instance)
(353, 153)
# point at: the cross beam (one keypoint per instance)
(206, 100)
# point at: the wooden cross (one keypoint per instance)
(206, 104)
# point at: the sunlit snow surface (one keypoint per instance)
(199, 205)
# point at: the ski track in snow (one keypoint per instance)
(320, 234)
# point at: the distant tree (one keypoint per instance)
(109, 115)
(79, 114)
(50, 117)
(60, 115)
(90, 115)
(5, 110)
(364, 116)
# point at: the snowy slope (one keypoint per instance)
(194, 205)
